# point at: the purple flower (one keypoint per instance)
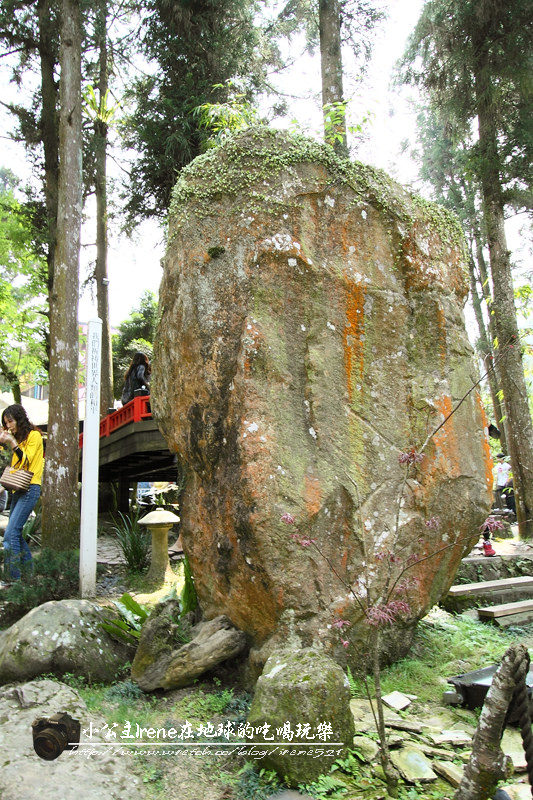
(386, 613)
(432, 523)
(492, 524)
(340, 623)
(410, 457)
(288, 519)
(304, 541)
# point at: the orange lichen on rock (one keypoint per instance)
(446, 449)
(353, 336)
(313, 494)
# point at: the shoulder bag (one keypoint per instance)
(16, 480)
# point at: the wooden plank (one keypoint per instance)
(486, 586)
(504, 609)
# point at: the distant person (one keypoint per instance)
(502, 470)
(137, 377)
(26, 442)
(508, 494)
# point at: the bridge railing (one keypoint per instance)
(134, 411)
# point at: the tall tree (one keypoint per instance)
(101, 119)
(60, 519)
(333, 24)
(332, 74)
(194, 48)
(22, 293)
(444, 165)
(475, 60)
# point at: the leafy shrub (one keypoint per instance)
(256, 784)
(128, 628)
(125, 690)
(133, 539)
(204, 706)
(55, 577)
(32, 527)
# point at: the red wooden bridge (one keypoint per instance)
(133, 449)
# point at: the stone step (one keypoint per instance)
(498, 591)
(514, 619)
(488, 586)
(481, 568)
(505, 609)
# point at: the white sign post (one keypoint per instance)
(91, 446)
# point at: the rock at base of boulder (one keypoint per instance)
(301, 707)
(161, 662)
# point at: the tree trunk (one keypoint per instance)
(389, 770)
(49, 132)
(329, 17)
(102, 282)
(487, 765)
(511, 368)
(60, 522)
(486, 353)
(494, 380)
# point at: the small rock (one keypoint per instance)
(405, 725)
(396, 700)
(512, 746)
(518, 791)
(367, 748)
(451, 737)
(413, 765)
(449, 772)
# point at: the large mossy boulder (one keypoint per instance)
(311, 337)
(301, 707)
(60, 637)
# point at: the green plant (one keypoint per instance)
(128, 627)
(125, 690)
(32, 527)
(188, 599)
(325, 786)
(133, 539)
(153, 775)
(348, 765)
(206, 705)
(355, 690)
(253, 784)
(55, 576)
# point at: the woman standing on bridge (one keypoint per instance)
(137, 377)
(26, 443)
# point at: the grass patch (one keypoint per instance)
(203, 706)
(442, 648)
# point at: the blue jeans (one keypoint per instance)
(16, 551)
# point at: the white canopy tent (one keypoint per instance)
(37, 410)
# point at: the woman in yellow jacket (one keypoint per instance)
(26, 442)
